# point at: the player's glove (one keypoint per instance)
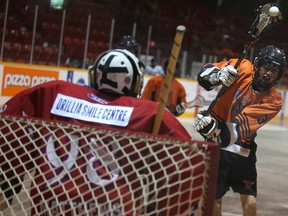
(179, 109)
(206, 126)
(225, 76)
(228, 75)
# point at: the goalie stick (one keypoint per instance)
(265, 19)
(169, 76)
(149, 205)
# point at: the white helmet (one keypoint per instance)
(117, 72)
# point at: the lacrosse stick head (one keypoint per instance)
(264, 20)
(199, 101)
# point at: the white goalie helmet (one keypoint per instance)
(117, 72)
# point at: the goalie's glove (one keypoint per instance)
(179, 109)
(206, 126)
(225, 76)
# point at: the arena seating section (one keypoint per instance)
(204, 34)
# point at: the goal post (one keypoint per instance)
(54, 168)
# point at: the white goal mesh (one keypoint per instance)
(52, 168)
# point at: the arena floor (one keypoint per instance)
(272, 166)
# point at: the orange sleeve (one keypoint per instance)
(256, 115)
(150, 89)
(223, 64)
(182, 93)
(153, 88)
(146, 94)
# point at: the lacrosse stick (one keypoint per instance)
(268, 16)
(199, 101)
(180, 30)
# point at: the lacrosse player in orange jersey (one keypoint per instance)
(250, 101)
(177, 94)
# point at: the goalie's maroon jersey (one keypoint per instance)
(38, 101)
(82, 105)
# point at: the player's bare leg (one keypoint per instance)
(3, 203)
(217, 210)
(248, 205)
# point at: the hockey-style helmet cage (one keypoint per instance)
(269, 57)
(117, 72)
(130, 43)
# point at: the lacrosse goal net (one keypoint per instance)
(53, 168)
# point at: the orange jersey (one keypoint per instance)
(240, 111)
(251, 109)
(154, 87)
(241, 105)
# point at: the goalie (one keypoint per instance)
(247, 105)
(111, 101)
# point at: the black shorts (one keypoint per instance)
(242, 180)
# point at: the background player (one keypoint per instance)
(248, 104)
(116, 81)
(154, 69)
(130, 43)
(177, 94)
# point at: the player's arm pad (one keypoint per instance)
(208, 77)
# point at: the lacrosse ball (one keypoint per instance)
(273, 11)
